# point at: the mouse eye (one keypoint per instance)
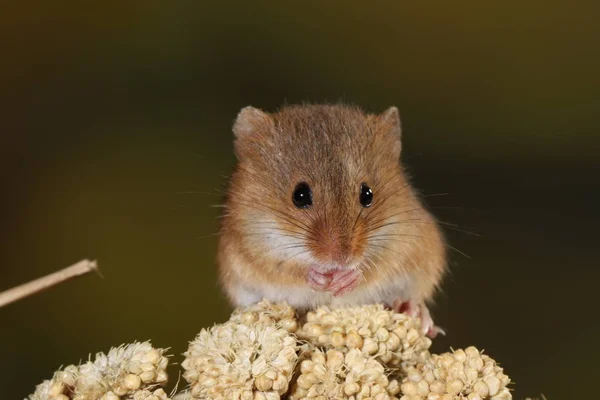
(366, 195)
(302, 196)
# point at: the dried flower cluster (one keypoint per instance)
(335, 375)
(395, 339)
(264, 352)
(462, 375)
(126, 372)
(267, 313)
(238, 361)
(158, 394)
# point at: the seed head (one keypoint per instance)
(459, 375)
(237, 361)
(394, 339)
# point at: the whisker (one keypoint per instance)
(394, 215)
(378, 268)
(294, 255)
(387, 241)
(286, 217)
(357, 218)
(372, 228)
(450, 208)
(267, 253)
(458, 251)
(377, 204)
(435, 195)
(266, 234)
(378, 235)
(393, 175)
(201, 193)
(385, 248)
(457, 228)
(305, 234)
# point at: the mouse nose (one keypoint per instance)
(333, 247)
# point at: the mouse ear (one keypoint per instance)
(249, 120)
(390, 120)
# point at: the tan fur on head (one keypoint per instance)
(267, 244)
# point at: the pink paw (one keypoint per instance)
(317, 280)
(420, 311)
(343, 282)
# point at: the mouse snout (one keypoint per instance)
(334, 248)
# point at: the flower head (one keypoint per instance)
(123, 371)
(459, 375)
(267, 312)
(237, 361)
(393, 338)
(349, 376)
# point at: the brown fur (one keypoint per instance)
(334, 148)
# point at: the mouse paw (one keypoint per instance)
(343, 282)
(419, 310)
(317, 280)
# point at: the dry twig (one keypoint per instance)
(33, 287)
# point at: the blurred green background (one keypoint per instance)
(113, 112)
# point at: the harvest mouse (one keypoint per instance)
(319, 212)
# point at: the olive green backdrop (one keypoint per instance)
(115, 140)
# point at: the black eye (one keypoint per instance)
(302, 196)
(366, 195)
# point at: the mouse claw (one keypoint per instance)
(422, 312)
(317, 280)
(343, 282)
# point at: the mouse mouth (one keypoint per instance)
(330, 268)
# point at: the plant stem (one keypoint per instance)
(35, 286)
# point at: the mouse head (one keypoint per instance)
(318, 185)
